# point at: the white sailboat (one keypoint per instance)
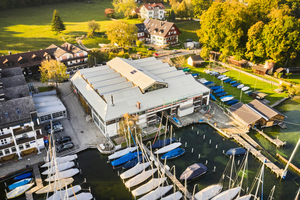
(156, 194)
(228, 194)
(245, 88)
(82, 196)
(245, 197)
(152, 184)
(19, 191)
(64, 174)
(175, 196)
(240, 86)
(140, 178)
(121, 153)
(60, 195)
(135, 170)
(209, 192)
(60, 160)
(55, 186)
(168, 148)
(60, 167)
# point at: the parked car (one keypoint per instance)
(56, 128)
(174, 50)
(63, 139)
(150, 48)
(155, 54)
(64, 146)
(53, 124)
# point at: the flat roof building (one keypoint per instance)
(144, 87)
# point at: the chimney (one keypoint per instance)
(112, 100)
(138, 105)
(69, 47)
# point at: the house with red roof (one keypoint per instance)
(154, 11)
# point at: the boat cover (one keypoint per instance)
(208, 83)
(224, 78)
(208, 192)
(240, 86)
(55, 185)
(19, 183)
(140, 178)
(227, 80)
(232, 82)
(162, 143)
(60, 160)
(219, 90)
(60, 167)
(19, 191)
(226, 96)
(22, 176)
(82, 196)
(175, 196)
(125, 158)
(152, 184)
(135, 170)
(121, 153)
(212, 97)
(228, 194)
(216, 87)
(156, 194)
(168, 148)
(235, 85)
(246, 197)
(173, 153)
(236, 151)
(133, 162)
(193, 171)
(249, 91)
(176, 120)
(226, 99)
(60, 195)
(245, 88)
(231, 102)
(221, 94)
(64, 174)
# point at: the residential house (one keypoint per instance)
(154, 11)
(162, 33)
(143, 34)
(20, 130)
(195, 61)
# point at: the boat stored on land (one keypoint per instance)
(125, 158)
(247, 92)
(221, 94)
(121, 153)
(193, 171)
(236, 151)
(156, 194)
(152, 184)
(19, 191)
(60, 167)
(240, 86)
(226, 99)
(227, 80)
(168, 148)
(232, 82)
(140, 178)
(208, 83)
(23, 176)
(212, 97)
(173, 154)
(215, 87)
(221, 76)
(19, 183)
(219, 91)
(162, 143)
(245, 88)
(231, 102)
(235, 85)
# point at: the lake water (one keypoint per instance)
(105, 183)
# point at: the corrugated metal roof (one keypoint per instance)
(113, 81)
(48, 104)
(98, 73)
(114, 88)
(103, 78)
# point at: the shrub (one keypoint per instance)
(139, 43)
(109, 12)
(90, 34)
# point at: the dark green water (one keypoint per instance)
(105, 183)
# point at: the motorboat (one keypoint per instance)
(235, 85)
(19, 183)
(140, 178)
(240, 86)
(219, 90)
(162, 143)
(221, 94)
(63, 193)
(60, 167)
(209, 192)
(208, 83)
(226, 99)
(60, 160)
(227, 194)
(135, 170)
(175, 196)
(224, 78)
(121, 153)
(228, 80)
(236, 151)
(129, 156)
(23, 176)
(133, 162)
(231, 102)
(173, 154)
(152, 184)
(64, 174)
(232, 82)
(221, 76)
(176, 120)
(156, 194)
(19, 191)
(82, 196)
(226, 96)
(168, 148)
(216, 87)
(212, 97)
(55, 186)
(193, 171)
(245, 88)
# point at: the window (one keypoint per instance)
(7, 151)
(57, 114)
(18, 111)
(13, 149)
(174, 32)
(133, 72)
(172, 28)
(21, 147)
(45, 117)
(3, 142)
(6, 114)
(1, 153)
(27, 145)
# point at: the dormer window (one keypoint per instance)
(6, 115)
(172, 28)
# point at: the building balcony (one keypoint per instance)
(20, 130)
(5, 136)
(28, 139)
(7, 146)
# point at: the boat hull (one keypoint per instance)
(168, 148)
(209, 192)
(140, 178)
(152, 184)
(64, 174)
(19, 191)
(175, 196)
(121, 153)
(19, 183)
(23, 176)
(173, 154)
(55, 185)
(135, 170)
(156, 194)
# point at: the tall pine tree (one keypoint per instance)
(57, 23)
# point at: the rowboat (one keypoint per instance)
(231, 102)
(247, 92)
(235, 85)
(19, 191)
(232, 82)
(19, 183)
(168, 148)
(176, 120)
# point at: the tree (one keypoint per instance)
(122, 33)
(173, 15)
(57, 23)
(200, 6)
(182, 10)
(179, 61)
(204, 53)
(94, 26)
(139, 43)
(261, 8)
(109, 12)
(53, 71)
(96, 56)
(124, 6)
(126, 123)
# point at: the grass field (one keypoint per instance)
(188, 30)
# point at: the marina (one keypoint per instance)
(38, 181)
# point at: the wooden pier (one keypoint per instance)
(278, 143)
(285, 161)
(38, 181)
(173, 178)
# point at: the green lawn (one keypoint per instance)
(188, 30)
(294, 78)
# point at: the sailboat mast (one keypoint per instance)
(272, 193)
(244, 169)
(297, 195)
(231, 170)
(259, 181)
(283, 175)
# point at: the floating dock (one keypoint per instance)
(285, 161)
(38, 181)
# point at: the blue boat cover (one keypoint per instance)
(176, 120)
(133, 162)
(208, 83)
(212, 97)
(215, 87)
(193, 171)
(232, 82)
(236, 151)
(196, 74)
(219, 90)
(221, 94)
(236, 84)
(162, 143)
(173, 154)
(225, 96)
(231, 102)
(125, 158)
(22, 176)
(227, 80)
(19, 183)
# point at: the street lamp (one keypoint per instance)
(29, 161)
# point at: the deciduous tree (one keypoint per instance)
(124, 6)
(128, 126)
(200, 6)
(53, 71)
(57, 23)
(182, 10)
(93, 26)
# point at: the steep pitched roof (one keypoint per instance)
(141, 28)
(263, 109)
(152, 6)
(156, 27)
(244, 113)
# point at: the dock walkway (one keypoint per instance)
(38, 181)
(277, 142)
(169, 174)
(291, 165)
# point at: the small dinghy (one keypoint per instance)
(55, 186)
(156, 194)
(228, 194)
(226, 99)
(236, 151)
(23, 176)
(219, 90)
(231, 102)
(208, 83)
(135, 170)
(227, 80)
(193, 171)
(222, 76)
(240, 86)
(212, 97)
(175, 196)
(133, 162)
(168, 148)
(64, 174)
(125, 158)
(60, 160)
(173, 154)
(140, 178)
(176, 120)
(209, 192)
(19, 191)
(216, 87)
(152, 184)
(121, 153)
(221, 94)
(162, 143)
(247, 92)
(235, 85)
(245, 88)
(63, 193)
(60, 167)
(232, 82)
(19, 183)
(202, 80)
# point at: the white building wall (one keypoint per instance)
(112, 129)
